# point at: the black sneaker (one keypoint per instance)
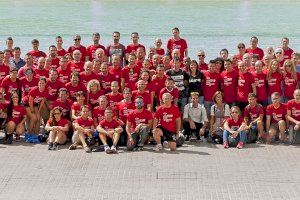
(55, 146)
(9, 138)
(50, 146)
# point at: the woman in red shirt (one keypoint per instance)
(94, 92)
(16, 117)
(274, 78)
(291, 78)
(58, 128)
(234, 129)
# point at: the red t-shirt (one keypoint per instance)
(64, 74)
(109, 125)
(123, 109)
(8, 85)
(62, 122)
(130, 75)
(90, 51)
(61, 52)
(53, 88)
(132, 48)
(274, 84)
(113, 99)
(81, 48)
(105, 81)
(54, 63)
(253, 113)
(177, 44)
(21, 71)
(212, 82)
(235, 125)
(174, 93)
(203, 67)
(294, 107)
(287, 54)
(94, 97)
(98, 114)
(229, 85)
(257, 51)
(85, 78)
(76, 66)
(160, 52)
(77, 108)
(276, 114)
(38, 95)
(167, 117)
(261, 86)
(36, 54)
(38, 73)
(244, 86)
(65, 106)
(116, 73)
(26, 86)
(18, 113)
(158, 84)
(74, 89)
(146, 97)
(4, 71)
(136, 118)
(290, 84)
(85, 123)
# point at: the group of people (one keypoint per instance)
(132, 96)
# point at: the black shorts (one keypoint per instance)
(168, 135)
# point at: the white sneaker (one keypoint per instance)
(158, 147)
(113, 149)
(166, 144)
(107, 149)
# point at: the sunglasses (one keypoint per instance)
(77, 39)
(241, 47)
(278, 52)
(201, 55)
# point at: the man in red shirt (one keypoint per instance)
(88, 74)
(287, 50)
(131, 48)
(275, 122)
(90, 50)
(166, 123)
(84, 128)
(40, 70)
(60, 50)
(139, 123)
(229, 82)
(76, 64)
(201, 58)
(141, 91)
(116, 48)
(254, 49)
(35, 52)
(29, 64)
(253, 117)
(130, 73)
(124, 107)
(109, 128)
(115, 70)
(114, 96)
(293, 116)
(54, 57)
(53, 85)
(177, 43)
(78, 46)
(63, 70)
(4, 69)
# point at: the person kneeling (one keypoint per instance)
(109, 128)
(234, 129)
(58, 128)
(293, 110)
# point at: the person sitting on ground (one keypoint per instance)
(253, 117)
(275, 119)
(166, 123)
(76, 107)
(138, 126)
(58, 128)
(16, 117)
(84, 128)
(109, 128)
(293, 116)
(219, 113)
(234, 130)
(195, 118)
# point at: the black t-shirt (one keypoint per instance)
(195, 83)
(179, 78)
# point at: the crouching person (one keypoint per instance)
(138, 126)
(166, 123)
(234, 130)
(84, 128)
(109, 128)
(58, 128)
(293, 116)
(253, 117)
(195, 118)
(275, 120)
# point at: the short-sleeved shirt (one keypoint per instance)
(235, 125)
(109, 125)
(85, 123)
(167, 117)
(136, 118)
(294, 107)
(276, 114)
(244, 87)
(180, 44)
(253, 113)
(18, 113)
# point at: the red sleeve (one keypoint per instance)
(169, 43)
(157, 114)
(269, 110)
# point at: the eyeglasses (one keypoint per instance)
(77, 39)
(278, 52)
(56, 113)
(16, 97)
(201, 55)
(235, 112)
(241, 47)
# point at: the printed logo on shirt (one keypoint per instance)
(210, 82)
(167, 117)
(227, 81)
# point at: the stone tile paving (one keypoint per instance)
(202, 171)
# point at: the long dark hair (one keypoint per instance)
(11, 104)
(53, 121)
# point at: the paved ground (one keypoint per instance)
(202, 171)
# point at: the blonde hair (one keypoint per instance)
(270, 72)
(93, 82)
(293, 69)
